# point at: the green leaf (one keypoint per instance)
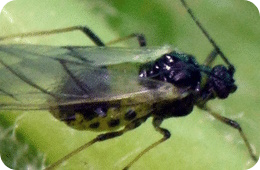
(28, 139)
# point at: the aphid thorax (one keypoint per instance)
(183, 71)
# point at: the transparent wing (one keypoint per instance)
(37, 77)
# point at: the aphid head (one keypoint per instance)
(220, 83)
(182, 70)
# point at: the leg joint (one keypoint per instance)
(166, 134)
(106, 136)
(234, 124)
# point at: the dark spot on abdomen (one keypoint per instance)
(113, 122)
(94, 125)
(130, 115)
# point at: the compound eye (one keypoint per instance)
(223, 81)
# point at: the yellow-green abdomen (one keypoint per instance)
(100, 116)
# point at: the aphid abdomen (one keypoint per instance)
(99, 116)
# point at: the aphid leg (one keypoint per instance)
(140, 38)
(102, 137)
(211, 57)
(84, 29)
(166, 135)
(99, 138)
(235, 125)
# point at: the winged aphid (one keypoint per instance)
(88, 93)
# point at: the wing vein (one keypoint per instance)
(77, 82)
(26, 80)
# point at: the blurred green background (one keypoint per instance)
(198, 141)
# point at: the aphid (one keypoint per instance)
(83, 90)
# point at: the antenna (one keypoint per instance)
(216, 50)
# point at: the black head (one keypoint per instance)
(220, 83)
